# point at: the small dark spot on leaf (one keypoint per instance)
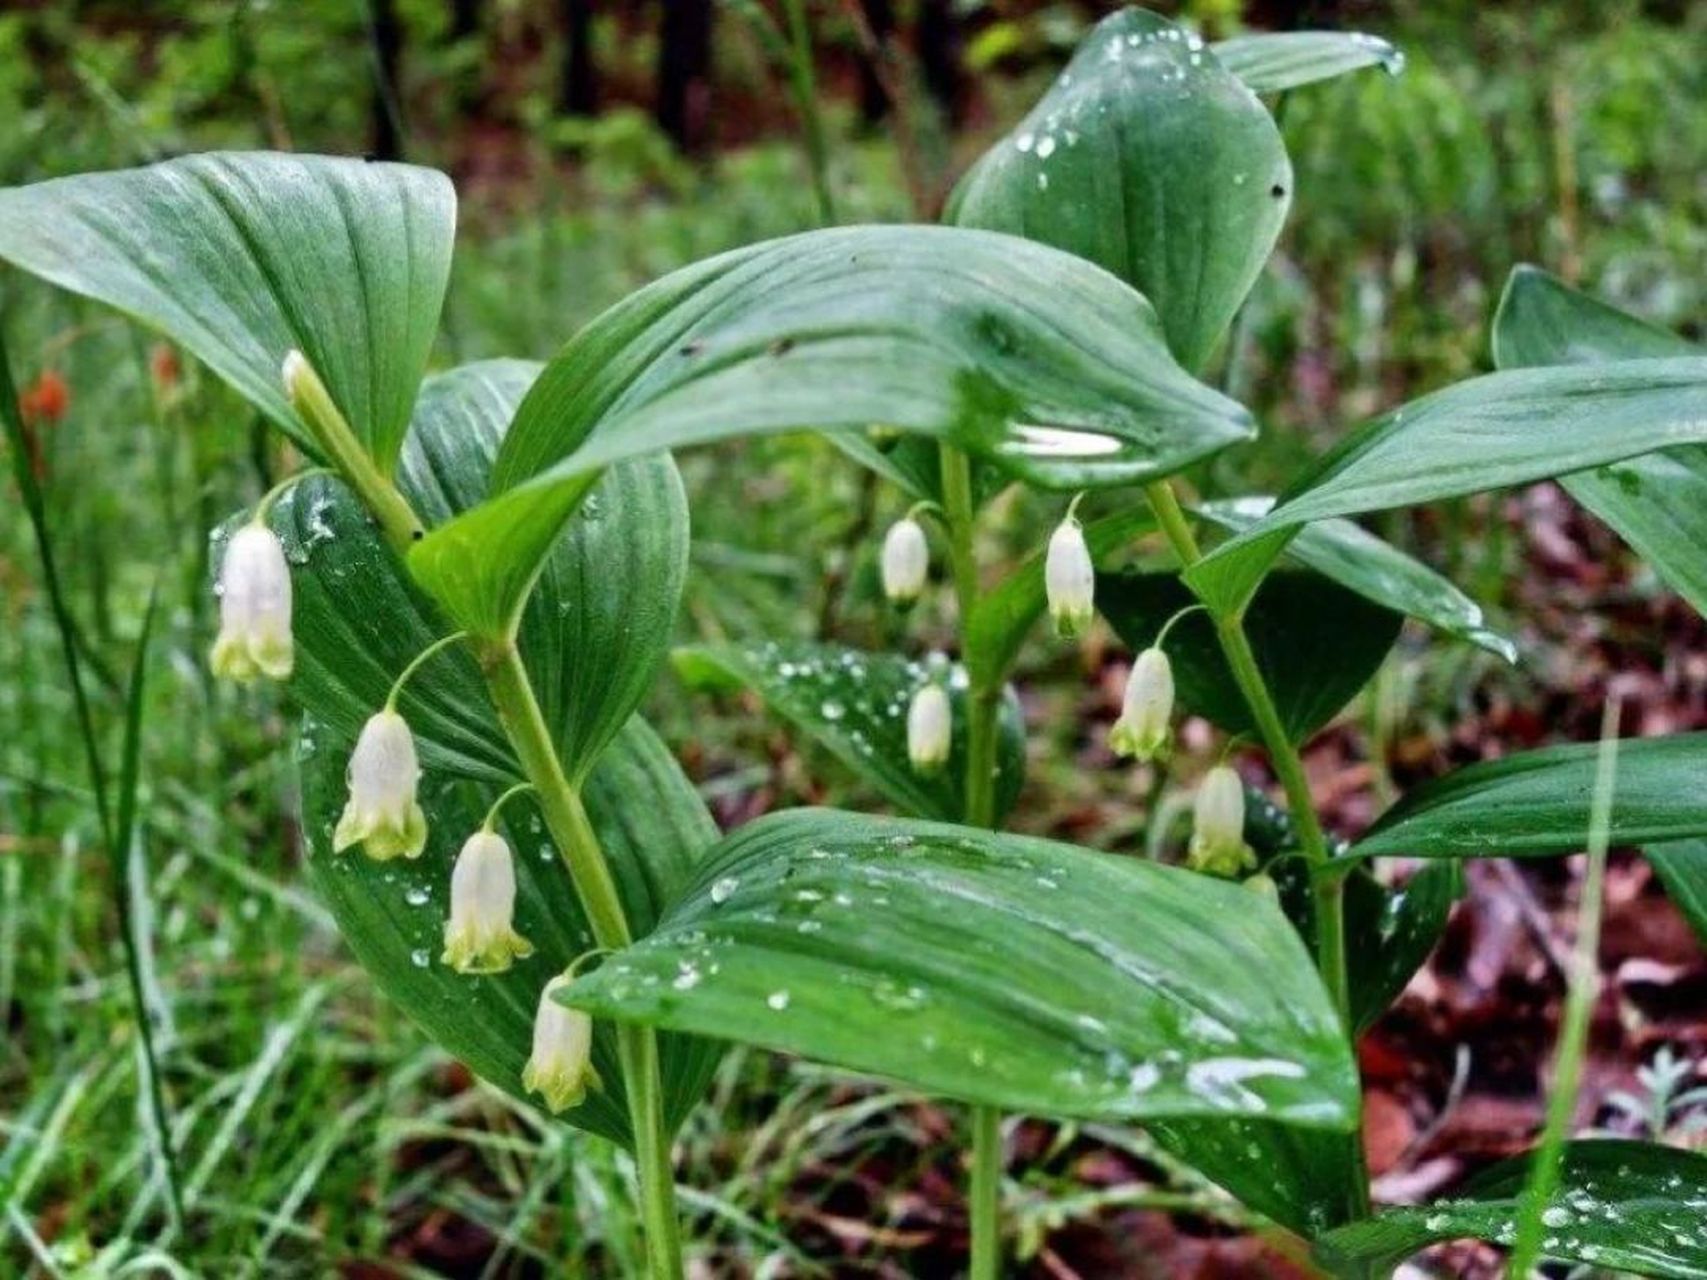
(1277, 191)
(418, 534)
(692, 348)
(782, 346)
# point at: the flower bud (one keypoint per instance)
(561, 1064)
(906, 561)
(480, 936)
(930, 728)
(1145, 728)
(1218, 826)
(254, 608)
(382, 813)
(1069, 579)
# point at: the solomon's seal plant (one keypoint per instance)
(483, 584)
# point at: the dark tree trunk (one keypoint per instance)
(873, 101)
(386, 37)
(578, 93)
(684, 73)
(464, 19)
(939, 39)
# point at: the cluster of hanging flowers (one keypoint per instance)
(383, 813)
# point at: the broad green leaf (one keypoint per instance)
(1656, 502)
(1023, 355)
(1151, 159)
(1537, 802)
(1014, 972)
(855, 705)
(1002, 616)
(1271, 62)
(1490, 432)
(1682, 868)
(1376, 570)
(594, 634)
(392, 914)
(1621, 1206)
(242, 256)
(1389, 930)
(1316, 642)
(1300, 1178)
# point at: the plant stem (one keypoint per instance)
(116, 822)
(985, 1194)
(803, 79)
(1584, 984)
(572, 832)
(578, 844)
(1327, 880)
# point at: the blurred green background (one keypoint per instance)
(596, 146)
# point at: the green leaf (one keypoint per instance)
(1023, 355)
(1002, 617)
(1316, 642)
(392, 914)
(1300, 1178)
(242, 256)
(1490, 432)
(1009, 971)
(1376, 570)
(1389, 930)
(1272, 62)
(1656, 502)
(595, 631)
(1152, 160)
(855, 705)
(1682, 868)
(1622, 1206)
(1537, 802)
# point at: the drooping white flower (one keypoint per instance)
(906, 561)
(1069, 579)
(561, 1065)
(1218, 825)
(382, 813)
(1145, 728)
(480, 936)
(930, 728)
(254, 608)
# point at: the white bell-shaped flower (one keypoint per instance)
(1069, 578)
(480, 936)
(930, 728)
(1218, 825)
(1145, 728)
(561, 1065)
(382, 813)
(906, 561)
(254, 608)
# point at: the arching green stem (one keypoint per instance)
(1328, 880)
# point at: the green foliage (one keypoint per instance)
(1152, 161)
(245, 257)
(1011, 971)
(855, 705)
(1628, 1206)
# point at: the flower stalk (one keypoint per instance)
(1327, 880)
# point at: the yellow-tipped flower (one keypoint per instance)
(906, 561)
(1069, 579)
(1145, 728)
(1218, 845)
(480, 936)
(254, 608)
(930, 728)
(382, 814)
(560, 1068)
